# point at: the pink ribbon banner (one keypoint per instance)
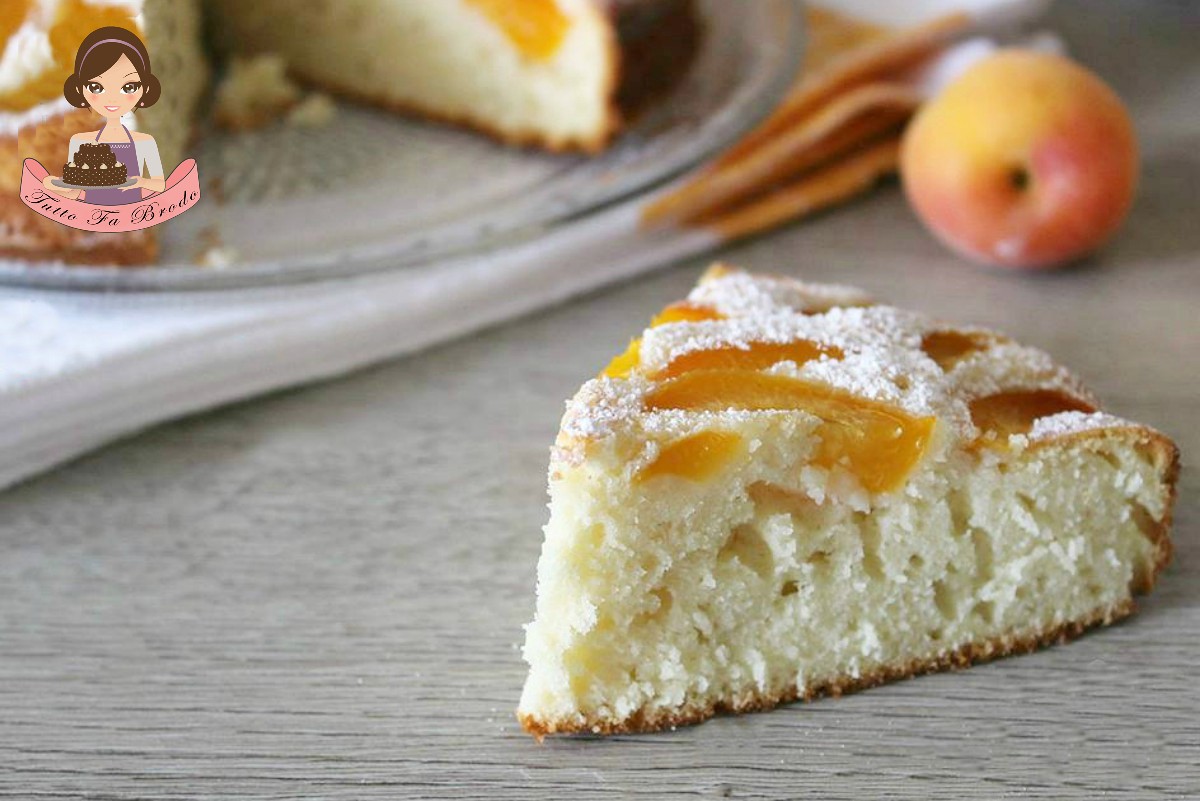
(182, 192)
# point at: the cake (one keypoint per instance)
(783, 490)
(95, 165)
(38, 44)
(557, 74)
(553, 73)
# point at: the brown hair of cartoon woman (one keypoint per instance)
(99, 52)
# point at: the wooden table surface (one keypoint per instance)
(320, 594)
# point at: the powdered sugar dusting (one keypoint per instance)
(882, 360)
(736, 294)
(1067, 423)
(1010, 366)
(601, 404)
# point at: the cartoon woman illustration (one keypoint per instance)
(112, 76)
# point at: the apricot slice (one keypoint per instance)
(624, 363)
(685, 313)
(12, 16)
(878, 443)
(1014, 412)
(948, 348)
(758, 356)
(698, 457)
(536, 27)
(73, 21)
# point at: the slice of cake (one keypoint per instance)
(559, 74)
(542, 72)
(783, 490)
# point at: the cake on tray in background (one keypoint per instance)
(549, 73)
(556, 74)
(38, 43)
(783, 489)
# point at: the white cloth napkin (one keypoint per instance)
(78, 370)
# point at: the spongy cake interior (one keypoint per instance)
(664, 597)
(675, 594)
(444, 59)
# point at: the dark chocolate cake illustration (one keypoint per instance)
(95, 165)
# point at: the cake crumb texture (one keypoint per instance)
(775, 562)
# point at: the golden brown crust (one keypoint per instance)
(534, 139)
(1164, 455)
(30, 237)
(1167, 458)
(615, 119)
(964, 656)
(658, 44)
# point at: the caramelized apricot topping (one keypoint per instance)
(73, 21)
(624, 363)
(698, 457)
(1015, 412)
(536, 27)
(12, 16)
(878, 443)
(948, 348)
(757, 356)
(685, 313)
(627, 362)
